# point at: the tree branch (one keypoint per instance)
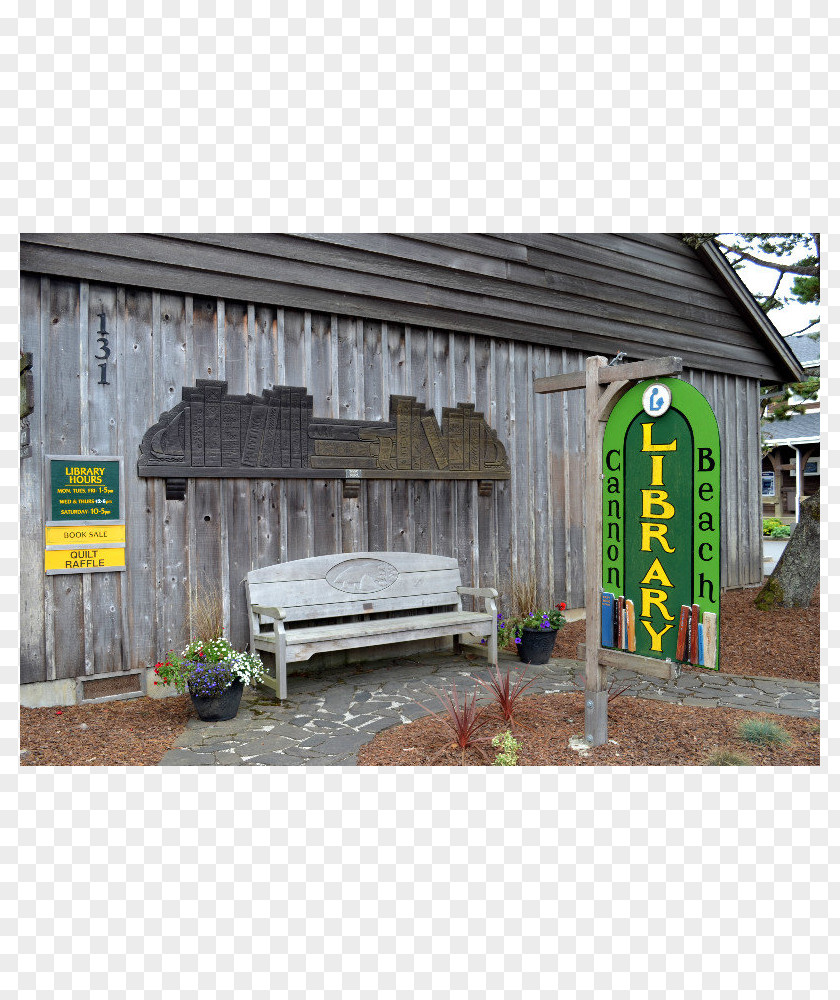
(805, 329)
(807, 271)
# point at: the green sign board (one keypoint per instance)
(661, 524)
(84, 489)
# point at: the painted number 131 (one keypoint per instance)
(105, 351)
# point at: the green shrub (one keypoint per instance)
(725, 758)
(783, 531)
(769, 524)
(508, 746)
(763, 732)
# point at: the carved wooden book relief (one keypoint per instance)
(277, 435)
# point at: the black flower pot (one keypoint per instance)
(536, 644)
(219, 707)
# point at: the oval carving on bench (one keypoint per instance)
(362, 576)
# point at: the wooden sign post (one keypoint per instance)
(604, 386)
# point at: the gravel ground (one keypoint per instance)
(770, 643)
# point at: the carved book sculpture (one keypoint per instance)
(277, 435)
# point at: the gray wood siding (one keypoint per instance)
(162, 340)
(646, 294)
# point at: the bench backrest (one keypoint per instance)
(356, 584)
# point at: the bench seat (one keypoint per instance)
(359, 590)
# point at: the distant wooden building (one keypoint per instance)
(352, 320)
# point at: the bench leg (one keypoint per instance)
(493, 648)
(456, 644)
(280, 665)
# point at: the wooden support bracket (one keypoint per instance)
(636, 371)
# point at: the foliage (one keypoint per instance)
(462, 720)
(545, 620)
(769, 523)
(795, 257)
(508, 746)
(205, 613)
(505, 693)
(763, 732)
(209, 679)
(726, 758)
(804, 272)
(782, 531)
(178, 669)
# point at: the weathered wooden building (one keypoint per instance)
(354, 319)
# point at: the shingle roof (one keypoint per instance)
(800, 426)
(806, 349)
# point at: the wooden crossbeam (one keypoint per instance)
(619, 660)
(637, 370)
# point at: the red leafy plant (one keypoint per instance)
(462, 720)
(506, 689)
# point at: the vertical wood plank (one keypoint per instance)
(204, 495)
(543, 549)
(138, 413)
(101, 408)
(265, 513)
(123, 431)
(281, 489)
(85, 357)
(63, 436)
(172, 524)
(348, 362)
(441, 491)
(502, 490)
(417, 359)
(595, 695)
(484, 507)
(753, 445)
(298, 493)
(576, 465)
(35, 586)
(240, 372)
(399, 525)
(373, 490)
(322, 383)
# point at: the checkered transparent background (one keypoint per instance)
(363, 883)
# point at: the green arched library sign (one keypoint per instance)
(661, 524)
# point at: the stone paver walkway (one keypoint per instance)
(331, 713)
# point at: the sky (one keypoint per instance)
(761, 280)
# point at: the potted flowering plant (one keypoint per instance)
(534, 633)
(215, 675)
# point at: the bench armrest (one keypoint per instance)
(488, 593)
(479, 591)
(278, 613)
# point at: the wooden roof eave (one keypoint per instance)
(715, 260)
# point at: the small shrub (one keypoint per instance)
(782, 531)
(763, 732)
(463, 721)
(505, 693)
(769, 524)
(508, 746)
(725, 758)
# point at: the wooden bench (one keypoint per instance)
(336, 602)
